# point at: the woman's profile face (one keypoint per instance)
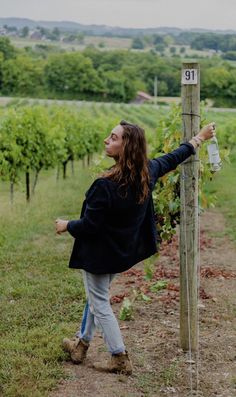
(114, 142)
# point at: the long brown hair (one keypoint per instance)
(131, 168)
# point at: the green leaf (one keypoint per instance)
(126, 311)
(162, 284)
(145, 298)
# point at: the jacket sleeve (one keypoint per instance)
(97, 203)
(168, 162)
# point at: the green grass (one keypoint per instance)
(41, 300)
(150, 382)
(223, 186)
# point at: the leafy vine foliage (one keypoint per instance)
(33, 138)
(167, 191)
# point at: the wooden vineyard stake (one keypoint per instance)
(189, 233)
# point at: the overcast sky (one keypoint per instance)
(211, 14)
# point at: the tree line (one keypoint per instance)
(115, 75)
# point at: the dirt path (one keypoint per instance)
(152, 337)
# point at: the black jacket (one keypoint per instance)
(115, 233)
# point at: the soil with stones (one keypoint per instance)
(161, 368)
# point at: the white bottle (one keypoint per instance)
(214, 155)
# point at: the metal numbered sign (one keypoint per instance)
(189, 76)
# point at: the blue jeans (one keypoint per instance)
(98, 312)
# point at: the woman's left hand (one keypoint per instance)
(207, 132)
(61, 226)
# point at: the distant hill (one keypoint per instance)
(100, 30)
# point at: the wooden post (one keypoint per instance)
(155, 90)
(189, 211)
(27, 181)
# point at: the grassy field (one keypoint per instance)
(106, 43)
(41, 299)
(110, 43)
(224, 187)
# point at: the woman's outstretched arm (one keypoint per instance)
(168, 162)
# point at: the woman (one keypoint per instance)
(116, 230)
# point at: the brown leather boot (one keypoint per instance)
(119, 363)
(77, 348)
